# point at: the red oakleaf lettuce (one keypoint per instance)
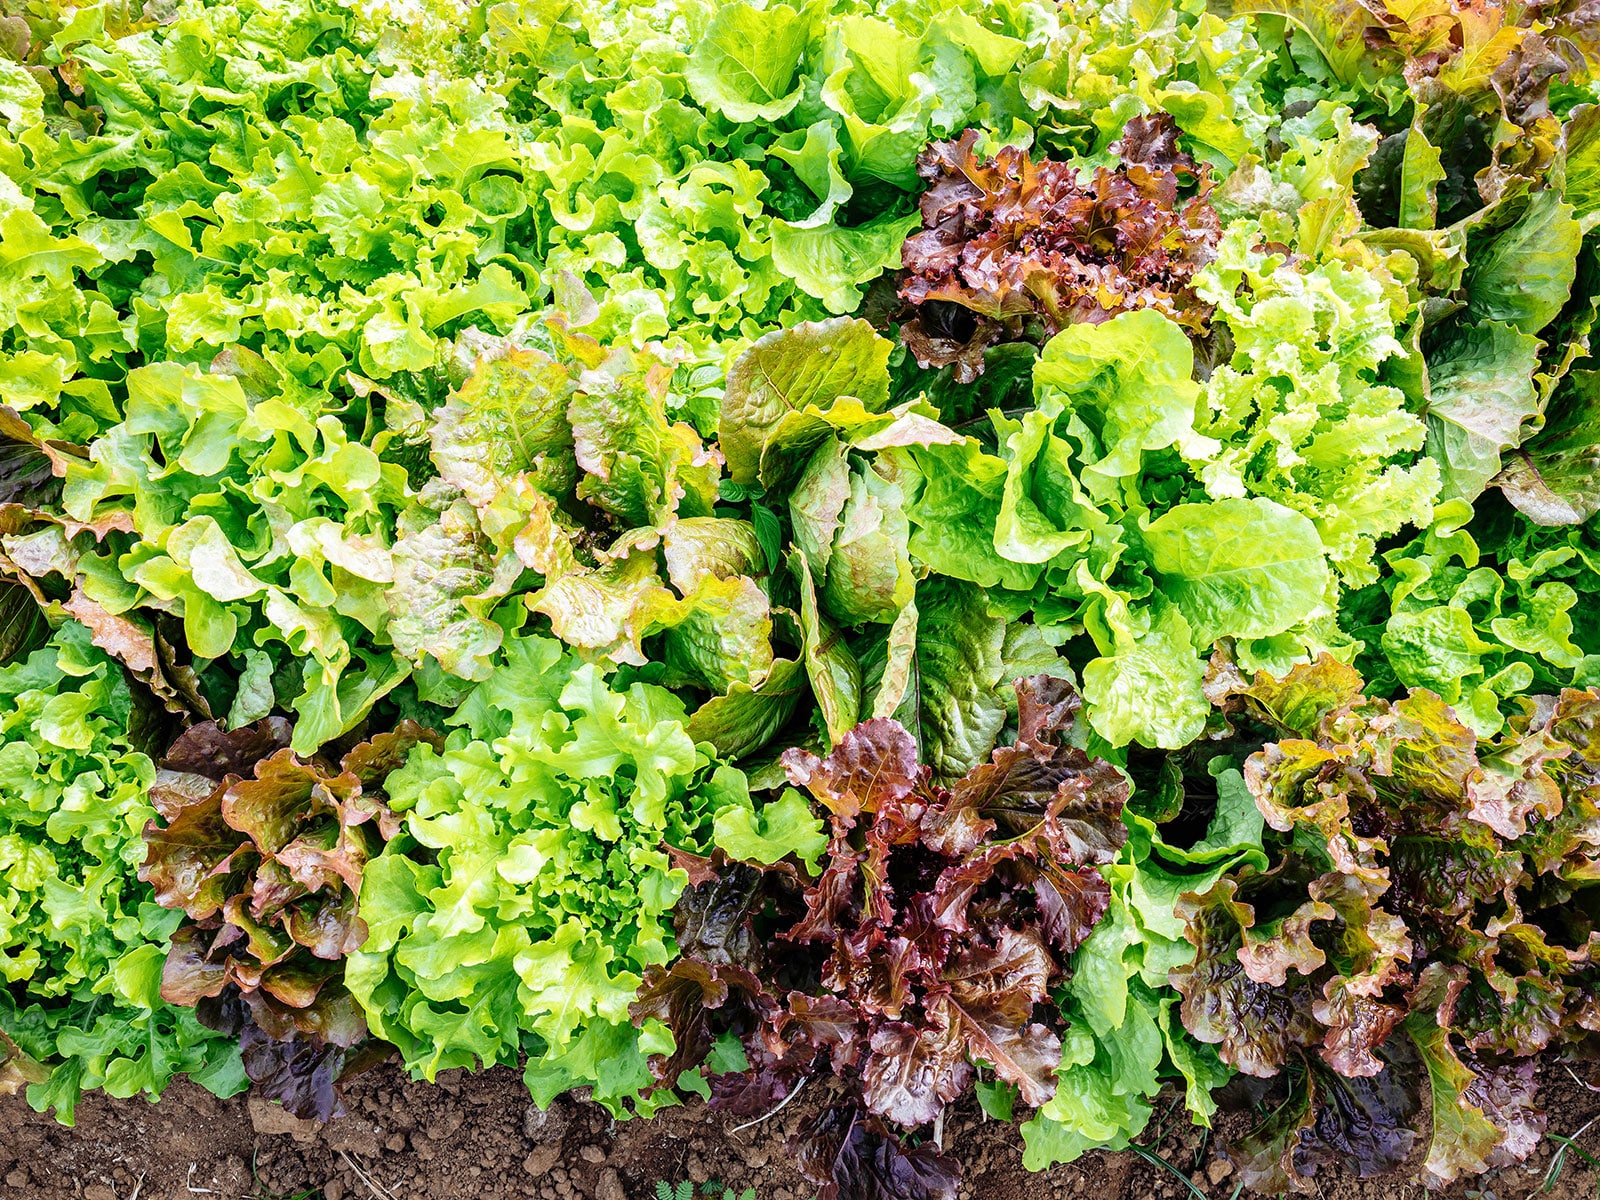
(1428, 915)
(927, 945)
(1014, 249)
(263, 850)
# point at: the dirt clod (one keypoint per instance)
(354, 1135)
(273, 1120)
(538, 1163)
(609, 1186)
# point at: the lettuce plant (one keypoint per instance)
(238, 336)
(1480, 609)
(264, 851)
(1425, 918)
(526, 894)
(927, 946)
(1163, 513)
(1012, 247)
(82, 940)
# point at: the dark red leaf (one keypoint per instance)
(1018, 962)
(911, 1073)
(996, 1031)
(1012, 248)
(821, 1022)
(1071, 904)
(1153, 142)
(1046, 707)
(183, 858)
(1254, 1026)
(851, 1156)
(714, 919)
(682, 998)
(208, 750)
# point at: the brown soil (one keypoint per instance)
(477, 1137)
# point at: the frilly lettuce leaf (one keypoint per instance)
(1480, 609)
(1123, 1034)
(447, 578)
(1297, 410)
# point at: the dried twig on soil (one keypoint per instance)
(379, 1192)
(781, 1105)
(188, 1183)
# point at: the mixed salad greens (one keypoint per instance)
(1048, 548)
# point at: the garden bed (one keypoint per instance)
(962, 585)
(476, 1135)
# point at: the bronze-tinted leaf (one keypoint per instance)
(1254, 1026)
(189, 972)
(17, 1069)
(928, 944)
(682, 998)
(1071, 904)
(329, 929)
(372, 760)
(182, 859)
(1046, 707)
(209, 750)
(266, 850)
(996, 1031)
(874, 764)
(911, 1073)
(271, 807)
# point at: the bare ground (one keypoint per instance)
(477, 1137)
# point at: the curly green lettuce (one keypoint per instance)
(532, 883)
(1482, 608)
(238, 318)
(82, 940)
